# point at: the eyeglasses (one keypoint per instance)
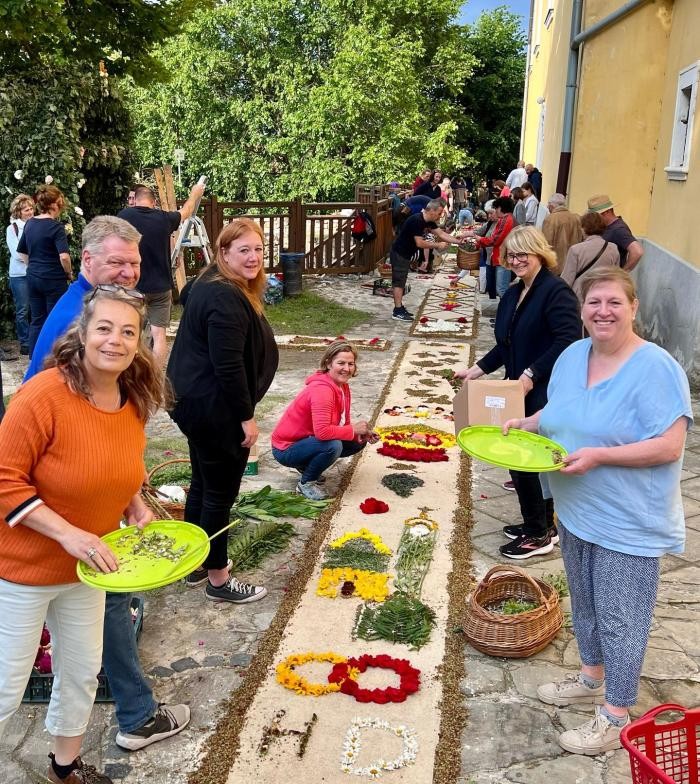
(112, 288)
(521, 258)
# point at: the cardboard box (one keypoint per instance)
(488, 402)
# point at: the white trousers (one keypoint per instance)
(74, 614)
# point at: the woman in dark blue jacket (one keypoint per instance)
(537, 318)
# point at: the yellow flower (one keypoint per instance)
(363, 533)
(287, 677)
(372, 586)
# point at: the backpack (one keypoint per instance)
(362, 227)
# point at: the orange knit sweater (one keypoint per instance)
(83, 463)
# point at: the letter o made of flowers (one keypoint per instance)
(353, 743)
(345, 675)
(290, 679)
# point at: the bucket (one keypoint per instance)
(251, 467)
(292, 266)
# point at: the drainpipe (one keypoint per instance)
(578, 37)
(527, 81)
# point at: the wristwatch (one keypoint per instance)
(528, 372)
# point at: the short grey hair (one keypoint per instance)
(104, 226)
(435, 204)
(557, 200)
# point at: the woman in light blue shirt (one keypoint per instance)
(21, 210)
(621, 408)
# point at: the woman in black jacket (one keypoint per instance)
(537, 318)
(222, 364)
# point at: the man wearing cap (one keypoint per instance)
(617, 231)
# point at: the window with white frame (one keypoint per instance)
(686, 97)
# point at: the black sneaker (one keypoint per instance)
(526, 547)
(199, 576)
(236, 592)
(401, 314)
(516, 531)
(168, 720)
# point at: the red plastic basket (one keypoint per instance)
(667, 752)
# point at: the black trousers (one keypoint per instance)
(537, 512)
(216, 480)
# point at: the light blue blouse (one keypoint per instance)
(631, 510)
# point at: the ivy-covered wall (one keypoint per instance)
(68, 123)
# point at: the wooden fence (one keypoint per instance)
(322, 231)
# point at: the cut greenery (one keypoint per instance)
(251, 547)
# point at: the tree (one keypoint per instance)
(491, 98)
(38, 33)
(282, 98)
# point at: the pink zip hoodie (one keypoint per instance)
(315, 411)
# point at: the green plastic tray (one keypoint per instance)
(142, 572)
(519, 450)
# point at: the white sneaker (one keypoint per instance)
(570, 691)
(312, 491)
(594, 737)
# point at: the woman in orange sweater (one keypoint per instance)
(71, 465)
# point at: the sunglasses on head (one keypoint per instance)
(115, 289)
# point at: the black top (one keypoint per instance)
(428, 189)
(155, 226)
(223, 360)
(42, 240)
(619, 233)
(414, 226)
(534, 334)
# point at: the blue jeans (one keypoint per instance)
(133, 698)
(312, 457)
(20, 295)
(43, 295)
(503, 279)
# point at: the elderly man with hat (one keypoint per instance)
(562, 228)
(617, 231)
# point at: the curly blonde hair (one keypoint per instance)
(528, 239)
(143, 382)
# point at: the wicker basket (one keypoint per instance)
(384, 271)
(162, 507)
(468, 259)
(512, 636)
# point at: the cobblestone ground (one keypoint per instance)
(197, 652)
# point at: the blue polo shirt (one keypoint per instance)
(64, 313)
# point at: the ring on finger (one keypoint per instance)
(91, 553)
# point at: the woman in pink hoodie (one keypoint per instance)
(315, 429)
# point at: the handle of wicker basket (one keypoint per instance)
(504, 569)
(157, 468)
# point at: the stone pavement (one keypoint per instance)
(197, 651)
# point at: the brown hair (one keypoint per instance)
(143, 382)
(528, 239)
(252, 290)
(517, 193)
(17, 204)
(592, 223)
(46, 195)
(609, 275)
(335, 348)
(527, 186)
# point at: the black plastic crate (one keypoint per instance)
(40, 684)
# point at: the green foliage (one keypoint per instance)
(291, 316)
(268, 505)
(249, 548)
(284, 98)
(400, 618)
(119, 32)
(491, 97)
(70, 123)
(559, 582)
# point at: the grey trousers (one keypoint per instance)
(612, 602)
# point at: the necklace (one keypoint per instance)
(114, 407)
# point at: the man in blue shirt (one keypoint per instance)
(110, 256)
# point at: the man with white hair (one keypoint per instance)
(518, 176)
(561, 228)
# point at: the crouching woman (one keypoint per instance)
(315, 429)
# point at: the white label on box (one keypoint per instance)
(491, 401)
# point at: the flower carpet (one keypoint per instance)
(449, 308)
(360, 676)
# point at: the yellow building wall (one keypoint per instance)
(621, 82)
(547, 79)
(673, 204)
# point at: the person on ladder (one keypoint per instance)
(156, 226)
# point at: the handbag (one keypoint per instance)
(591, 263)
